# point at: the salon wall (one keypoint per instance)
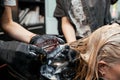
(115, 10)
(51, 22)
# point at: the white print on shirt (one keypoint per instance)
(77, 15)
(10, 2)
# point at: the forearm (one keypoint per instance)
(68, 31)
(18, 32)
(13, 28)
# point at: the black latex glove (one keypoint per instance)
(47, 42)
(61, 63)
(23, 59)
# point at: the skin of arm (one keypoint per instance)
(68, 30)
(14, 29)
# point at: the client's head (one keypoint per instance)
(101, 54)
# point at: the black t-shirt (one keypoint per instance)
(100, 9)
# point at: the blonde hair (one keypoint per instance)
(103, 44)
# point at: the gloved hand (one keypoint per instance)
(61, 64)
(47, 42)
(24, 60)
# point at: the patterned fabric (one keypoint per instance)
(10, 2)
(78, 17)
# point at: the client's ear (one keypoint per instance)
(102, 68)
